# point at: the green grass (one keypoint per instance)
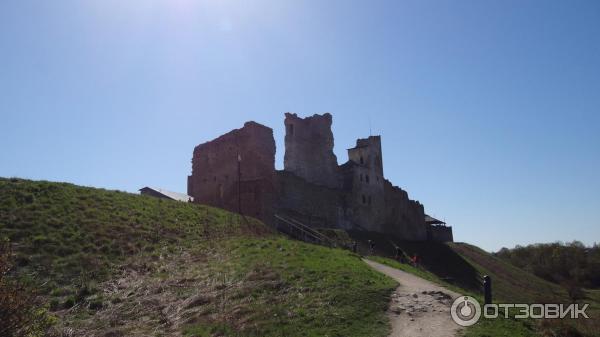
(484, 328)
(338, 236)
(501, 327)
(435, 257)
(515, 285)
(309, 290)
(510, 285)
(420, 272)
(64, 234)
(114, 263)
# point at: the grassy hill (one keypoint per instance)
(110, 263)
(511, 284)
(460, 267)
(515, 285)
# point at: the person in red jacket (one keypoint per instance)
(415, 260)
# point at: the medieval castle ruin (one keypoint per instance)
(237, 172)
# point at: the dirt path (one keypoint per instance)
(418, 307)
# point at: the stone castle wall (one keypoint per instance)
(312, 204)
(309, 149)
(439, 233)
(404, 216)
(312, 188)
(363, 179)
(215, 179)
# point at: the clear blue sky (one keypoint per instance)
(489, 111)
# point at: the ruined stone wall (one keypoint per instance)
(404, 217)
(214, 178)
(312, 188)
(314, 205)
(366, 191)
(367, 153)
(309, 149)
(439, 233)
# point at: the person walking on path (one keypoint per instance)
(371, 247)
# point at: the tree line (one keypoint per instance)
(570, 264)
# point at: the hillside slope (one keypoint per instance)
(460, 267)
(514, 285)
(115, 264)
(511, 284)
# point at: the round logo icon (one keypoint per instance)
(465, 311)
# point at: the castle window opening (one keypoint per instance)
(361, 160)
(291, 128)
(364, 200)
(367, 178)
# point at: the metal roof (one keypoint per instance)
(171, 195)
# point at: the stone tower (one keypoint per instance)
(367, 191)
(309, 149)
(236, 171)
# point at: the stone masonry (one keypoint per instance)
(236, 168)
(312, 187)
(309, 149)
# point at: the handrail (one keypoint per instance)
(311, 230)
(304, 229)
(293, 225)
